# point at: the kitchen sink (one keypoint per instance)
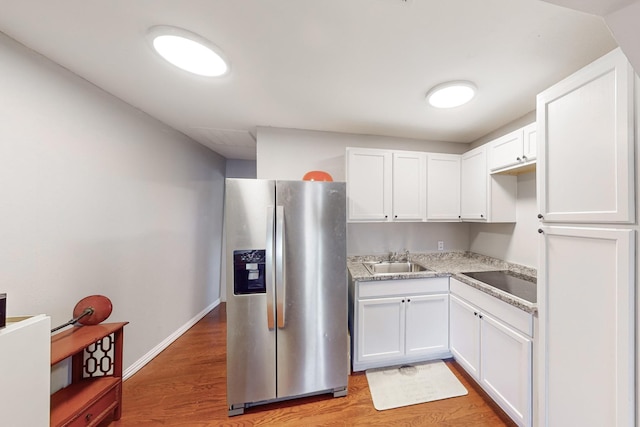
(393, 267)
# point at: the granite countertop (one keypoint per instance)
(445, 264)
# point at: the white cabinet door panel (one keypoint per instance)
(427, 321)
(380, 329)
(530, 142)
(443, 187)
(505, 370)
(506, 150)
(369, 184)
(587, 342)
(409, 186)
(464, 335)
(473, 184)
(587, 143)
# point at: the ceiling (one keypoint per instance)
(356, 66)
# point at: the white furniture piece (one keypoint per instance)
(485, 197)
(25, 376)
(493, 342)
(385, 185)
(443, 187)
(399, 321)
(586, 288)
(514, 152)
(586, 275)
(586, 153)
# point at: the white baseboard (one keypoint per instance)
(140, 363)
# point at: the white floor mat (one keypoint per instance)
(411, 384)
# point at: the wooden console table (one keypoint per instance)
(96, 374)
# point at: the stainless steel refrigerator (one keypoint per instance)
(286, 290)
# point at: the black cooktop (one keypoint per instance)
(516, 284)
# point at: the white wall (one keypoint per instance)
(290, 153)
(518, 123)
(98, 198)
(240, 168)
(381, 238)
(517, 242)
(512, 242)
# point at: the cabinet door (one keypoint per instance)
(505, 368)
(506, 151)
(380, 329)
(464, 335)
(427, 324)
(409, 186)
(586, 140)
(473, 194)
(530, 142)
(443, 187)
(586, 305)
(369, 184)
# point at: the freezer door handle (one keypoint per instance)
(269, 269)
(281, 282)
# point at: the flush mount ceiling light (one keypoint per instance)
(188, 51)
(451, 94)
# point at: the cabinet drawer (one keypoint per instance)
(380, 288)
(96, 410)
(85, 403)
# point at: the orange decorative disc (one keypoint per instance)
(100, 305)
(317, 176)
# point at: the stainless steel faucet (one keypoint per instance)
(399, 256)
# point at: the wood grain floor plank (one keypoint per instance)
(185, 386)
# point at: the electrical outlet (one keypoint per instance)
(440, 245)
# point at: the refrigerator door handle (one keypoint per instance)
(280, 267)
(269, 269)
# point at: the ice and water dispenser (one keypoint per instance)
(249, 272)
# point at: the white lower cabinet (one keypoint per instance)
(506, 367)
(400, 321)
(465, 335)
(496, 354)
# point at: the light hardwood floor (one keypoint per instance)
(186, 386)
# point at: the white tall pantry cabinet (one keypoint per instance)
(586, 278)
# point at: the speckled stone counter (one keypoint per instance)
(443, 264)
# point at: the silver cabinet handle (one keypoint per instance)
(281, 280)
(269, 269)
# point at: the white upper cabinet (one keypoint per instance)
(530, 142)
(369, 184)
(409, 186)
(514, 151)
(484, 197)
(586, 145)
(506, 151)
(443, 187)
(473, 185)
(386, 185)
